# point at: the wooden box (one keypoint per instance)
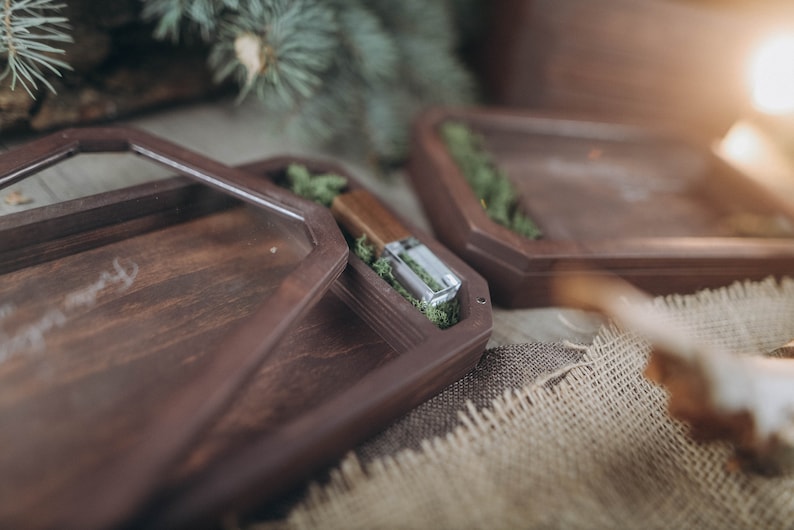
(131, 320)
(360, 358)
(663, 213)
(197, 347)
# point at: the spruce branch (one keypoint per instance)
(29, 31)
(172, 15)
(283, 46)
(350, 74)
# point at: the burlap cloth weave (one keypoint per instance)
(588, 445)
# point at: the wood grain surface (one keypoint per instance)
(647, 62)
(130, 320)
(153, 283)
(90, 334)
(643, 203)
(358, 360)
(361, 214)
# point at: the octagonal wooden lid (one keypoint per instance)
(130, 320)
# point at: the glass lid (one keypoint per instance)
(130, 319)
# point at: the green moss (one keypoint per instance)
(318, 188)
(443, 315)
(421, 272)
(525, 226)
(364, 250)
(323, 189)
(487, 181)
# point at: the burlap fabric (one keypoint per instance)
(587, 446)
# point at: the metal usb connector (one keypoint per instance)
(414, 265)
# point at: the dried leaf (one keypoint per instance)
(785, 351)
(745, 399)
(16, 198)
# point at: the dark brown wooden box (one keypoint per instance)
(643, 204)
(162, 448)
(130, 321)
(361, 357)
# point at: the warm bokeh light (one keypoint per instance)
(743, 143)
(772, 75)
(750, 149)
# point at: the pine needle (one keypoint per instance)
(348, 75)
(29, 30)
(172, 16)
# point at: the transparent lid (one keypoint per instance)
(129, 319)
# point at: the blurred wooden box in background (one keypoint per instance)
(678, 63)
